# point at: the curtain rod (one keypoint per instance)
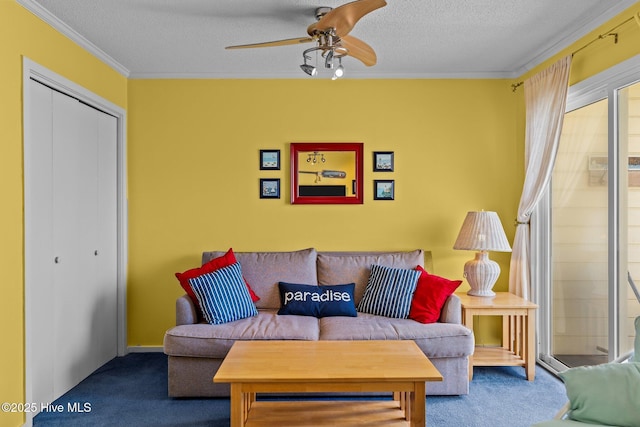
(610, 33)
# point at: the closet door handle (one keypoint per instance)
(95, 252)
(57, 260)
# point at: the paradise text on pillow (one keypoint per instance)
(328, 295)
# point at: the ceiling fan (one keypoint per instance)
(330, 33)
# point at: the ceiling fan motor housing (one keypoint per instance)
(321, 11)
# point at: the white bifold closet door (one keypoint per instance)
(71, 240)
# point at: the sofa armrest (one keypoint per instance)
(451, 310)
(185, 311)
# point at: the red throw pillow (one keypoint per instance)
(215, 264)
(430, 295)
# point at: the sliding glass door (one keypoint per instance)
(629, 136)
(590, 232)
(579, 235)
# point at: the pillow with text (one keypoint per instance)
(317, 301)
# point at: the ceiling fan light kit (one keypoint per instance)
(309, 69)
(339, 70)
(330, 33)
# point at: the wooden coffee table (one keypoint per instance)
(327, 366)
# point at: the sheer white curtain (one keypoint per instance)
(545, 98)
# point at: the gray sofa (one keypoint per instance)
(196, 350)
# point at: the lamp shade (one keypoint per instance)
(482, 231)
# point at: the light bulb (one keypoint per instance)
(339, 71)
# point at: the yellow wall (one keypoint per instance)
(193, 168)
(194, 172)
(23, 34)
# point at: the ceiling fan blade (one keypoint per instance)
(343, 18)
(359, 50)
(284, 42)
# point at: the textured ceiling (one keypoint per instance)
(412, 38)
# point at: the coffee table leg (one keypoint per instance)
(418, 405)
(238, 406)
(408, 405)
(399, 398)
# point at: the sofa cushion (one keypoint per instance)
(431, 293)
(263, 270)
(203, 340)
(223, 295)
(213, 264)
(436, 340)
(451, 310)
(389, 291)
(316, 301)
(604, 394)
(335, 268)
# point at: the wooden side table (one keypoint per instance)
(518, 331)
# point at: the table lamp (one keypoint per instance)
(482, 232)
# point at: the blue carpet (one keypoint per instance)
(132, 391)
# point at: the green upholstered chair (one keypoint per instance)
(603, 395)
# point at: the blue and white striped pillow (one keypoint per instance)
(223, 295)
(389, 292)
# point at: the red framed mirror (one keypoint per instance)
(326, 173)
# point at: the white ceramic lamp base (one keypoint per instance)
(481, 273)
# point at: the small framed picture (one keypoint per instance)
(269, 188)
(270, 160)
(383, 161)
(383, 189)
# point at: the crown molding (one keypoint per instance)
(581, 30)
(74, 36)
(488, 75)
